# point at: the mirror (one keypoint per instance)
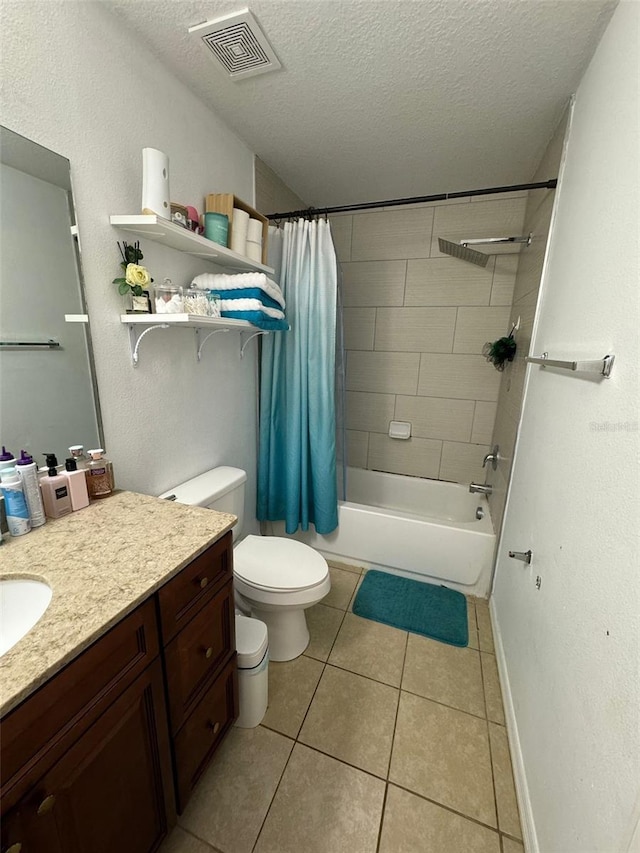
(48, 392)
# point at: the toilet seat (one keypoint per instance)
(277, 565)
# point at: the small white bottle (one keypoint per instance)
(55, 490)
(28, 473)
(77, 452)
(77, 481)
(16, 505)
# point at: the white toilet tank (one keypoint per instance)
(221, 489)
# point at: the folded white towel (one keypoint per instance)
(223, 281)
(250, 305)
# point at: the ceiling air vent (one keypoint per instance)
(238, 44)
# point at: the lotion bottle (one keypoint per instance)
(99, 474)
(55, 490)
(16, 505)
(77, 484)
(28, 472)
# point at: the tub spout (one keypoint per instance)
(478, 488)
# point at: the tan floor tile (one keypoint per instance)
(323, 806)
(444, 754)
(413, 825)
(232, 798)
(324, 624)
(336, 564)
(342, 587)
(371, 649)
(472, 625)
(485, 632)
(355, 592)
(492, 691)
(291, 688)
(508, 818)
(183, 842)
(352, 718)
(511, 846)
(444, 673)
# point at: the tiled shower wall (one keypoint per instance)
(415, 324)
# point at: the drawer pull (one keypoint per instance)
(15, 848)
(203, 582)
(215, 727)
(47, 805)
(208, 652)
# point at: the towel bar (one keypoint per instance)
(601, 366)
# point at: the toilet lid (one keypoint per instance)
(251, 641)
(272, 562)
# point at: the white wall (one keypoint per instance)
(76, 81)
(570, 652)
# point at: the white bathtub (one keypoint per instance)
(422, 529)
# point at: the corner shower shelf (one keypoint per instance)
(204, 327)
(169, 234)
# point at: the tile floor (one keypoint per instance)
(375, 741)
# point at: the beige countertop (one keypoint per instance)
(100, 562)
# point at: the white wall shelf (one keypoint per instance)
(169, 234)
(204, 328)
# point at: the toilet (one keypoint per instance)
(275, 579)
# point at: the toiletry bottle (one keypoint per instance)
(99, 475)
(28, 473)
(77, 484)
(17, 511)
(7, 459)
(55, 490)
(77, 452)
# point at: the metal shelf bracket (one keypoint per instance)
(201, 341)
(248, 340)
(135, 339)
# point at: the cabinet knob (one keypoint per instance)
(203, 582)
(208, 652)
(47, 804)
(215, 727)
(15, 848)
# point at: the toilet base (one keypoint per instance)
(287, 631)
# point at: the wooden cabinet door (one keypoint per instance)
(112, 790)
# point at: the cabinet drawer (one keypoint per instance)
(199, 737)
(37, 730)
(199, 650)
(183, 596)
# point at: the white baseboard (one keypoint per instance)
(529, 835)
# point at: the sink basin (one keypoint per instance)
(22, 603)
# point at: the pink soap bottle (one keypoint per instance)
(55, 490)
(77, 484)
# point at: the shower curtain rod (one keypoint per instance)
(420, 199)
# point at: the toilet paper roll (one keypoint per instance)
(155, 183)
(254, 251)
(254, 231)
(239, 226)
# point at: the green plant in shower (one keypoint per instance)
(136, 278)
(501, 351)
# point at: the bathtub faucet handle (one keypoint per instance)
(492, 457)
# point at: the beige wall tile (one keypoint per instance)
(497, 500)
(504, 279)
(462, 463)
(508, 818)
(496, 218)
(434, 417)
(515, 194)
(374, 283)
(272, 194)
(357, 448)
(341, 227)
(392, 234)
(483, 420)
(477, 326)
(447, 281)
(359, 328)
(415, 329)
(414, 825)
(370, 412)
(467, 377)
(383, 372)
(419, 205)
(419, 457)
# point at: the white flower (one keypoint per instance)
(137, 275)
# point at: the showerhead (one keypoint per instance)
(456, 250)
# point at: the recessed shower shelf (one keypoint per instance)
(169, 234)
(204, 328)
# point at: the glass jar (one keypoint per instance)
(196, 302)
(214, 303)
(168, 298)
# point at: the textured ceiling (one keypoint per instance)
(389, 98)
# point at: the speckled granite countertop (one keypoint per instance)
(100, 563)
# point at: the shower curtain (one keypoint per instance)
(297, 452)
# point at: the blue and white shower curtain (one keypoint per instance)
(297, 455)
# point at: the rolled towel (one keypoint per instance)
(239, 225)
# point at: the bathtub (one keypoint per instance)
(422, 529)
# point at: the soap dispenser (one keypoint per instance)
(55, 490)
(77, 484)
(99, 473)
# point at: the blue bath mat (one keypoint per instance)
(422, 608)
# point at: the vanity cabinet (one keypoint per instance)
(97, 758)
